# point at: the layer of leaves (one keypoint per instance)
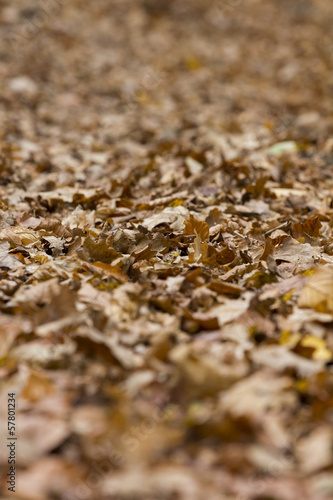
(166, 250)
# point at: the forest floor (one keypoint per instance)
(166, 251)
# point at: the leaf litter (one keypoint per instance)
(166, 249)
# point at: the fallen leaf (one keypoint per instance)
(195, 227)
(317, 292)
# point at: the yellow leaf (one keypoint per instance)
(302, 385)
(321, 353)
(177, 203)
(192, 63)
(308, 272)
(288, 296)
(42, 258)
(289, 339)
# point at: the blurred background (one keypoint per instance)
(144, 71)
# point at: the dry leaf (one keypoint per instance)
(317, 292)
(197, 227)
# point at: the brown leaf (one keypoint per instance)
(214, 217)
(216, 257)
(145, 253)
(318, 290)
(311, 228)
(19, 235)
(195, 227)
(225, 288)
(112, 271)
(37, 386)
(98, 251)
(290, 250)
(54, 227)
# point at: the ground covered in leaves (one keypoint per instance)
(166, 252)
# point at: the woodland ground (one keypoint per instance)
(166, 252)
